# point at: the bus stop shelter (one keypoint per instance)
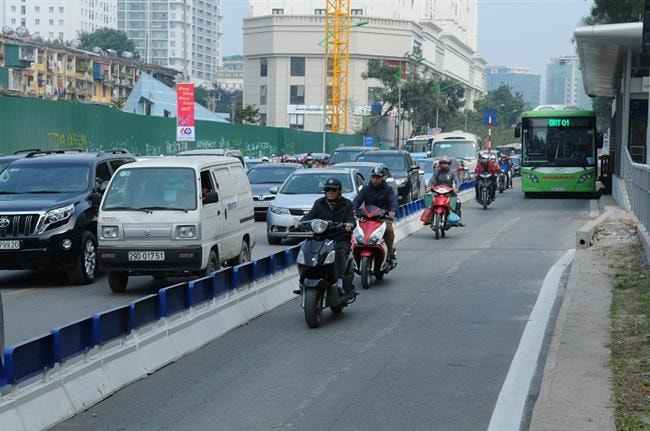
(613, 65)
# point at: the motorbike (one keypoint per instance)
(441, 209)
(502, 180)
(484, 189)
(369, 250)
(316, 267)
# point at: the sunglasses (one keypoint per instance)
(331, 189)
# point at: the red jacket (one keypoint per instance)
(491, 167)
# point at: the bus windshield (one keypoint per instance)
(561, 147)
(455, 149)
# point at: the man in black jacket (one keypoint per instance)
(335, 207)
(381, 195)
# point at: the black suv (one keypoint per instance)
(405, 170)
(348, 154)
(48, 210)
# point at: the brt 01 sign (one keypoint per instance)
(185, 112)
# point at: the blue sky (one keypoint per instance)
(511, 32)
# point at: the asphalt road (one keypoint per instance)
(426, 349)
(36, 301)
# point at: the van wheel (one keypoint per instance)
(85, 266)
(244, 254)
(117, 281)
(213, 264)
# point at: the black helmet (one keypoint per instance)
(332, 183)
(377, 171)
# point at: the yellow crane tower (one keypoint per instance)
(337, 53)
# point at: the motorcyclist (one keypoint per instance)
(484, 166)
(505, 166)
(381, 195)
(444, 175)
(334, 207)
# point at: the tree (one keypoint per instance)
(249, 114)
(107, 38)
(615, 11)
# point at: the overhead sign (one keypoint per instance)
(490, 117)
(305, 109)
(185, 130)
(368, 141)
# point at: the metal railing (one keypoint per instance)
(637, 183)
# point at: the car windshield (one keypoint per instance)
(455, 149)
(269, 175)
(395, 162)
(2, 165)
(152, 188)
(41, 179)
(426, 165)
(313, 183)
(343, 156)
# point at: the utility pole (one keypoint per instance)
(185, 72)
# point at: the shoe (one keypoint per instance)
(460, 224)
(296, 292)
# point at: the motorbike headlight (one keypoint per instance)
(279, 210)
(377, 235)
(301, 258)
(319, 226)
(331, 257)
(110, 232)
(55, 216)
(358, 236)
(186, 232)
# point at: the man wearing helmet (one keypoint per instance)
(485, 165)
(505, 166)
(444, 175)
(335, 207)
(381, 195)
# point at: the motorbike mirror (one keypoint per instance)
(360, 187)
(391, 181)
(274, 190)
(421, 172)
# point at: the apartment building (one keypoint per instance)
(230, 75)
(58, 19)
(184, 35)
(564, 83)
(520, 80)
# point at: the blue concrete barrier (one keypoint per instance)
(144, 311)
(73, 339)
(173, 299)
(111, 324)
(222, 281)
(200, 290)
(242, 275)
(28, 358)
(262, 268)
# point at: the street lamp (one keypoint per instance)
(398, 126)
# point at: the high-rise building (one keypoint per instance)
(284, 64)
(564, 83)
(58, 19)
(520, 80)
(230, 76)
(175, 33)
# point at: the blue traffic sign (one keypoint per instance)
(368, 141)
(490, 116)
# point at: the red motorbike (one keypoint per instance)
(369, 250)
(441, 208)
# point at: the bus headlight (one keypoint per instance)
(584, 177)
(532, 178)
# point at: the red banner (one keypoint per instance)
(185, 112)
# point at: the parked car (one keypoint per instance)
(224, 152)
(48, 214)
(263, 178)
(405, 170)
(298, 194)
(365, 168)
(175, 216)
(348, 154)
(249, 163)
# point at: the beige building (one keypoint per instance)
(284, 56)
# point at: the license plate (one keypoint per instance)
(9, 245)
(146, 256)
(263, 203)
(558, 189)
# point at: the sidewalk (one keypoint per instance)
(576, 393)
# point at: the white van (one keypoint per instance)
(459, 145)
(175, 216)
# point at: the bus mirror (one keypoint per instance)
(518, 131)
(599, 140)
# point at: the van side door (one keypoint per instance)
(212, 213)
(230, 243)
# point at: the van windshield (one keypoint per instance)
(38, 179)
(152, 188)
(455, 149)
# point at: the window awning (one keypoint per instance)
(602, 50)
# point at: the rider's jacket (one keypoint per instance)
(382, 197)
(491, 167)
(446, 177)
(339, 211)
(504, 166)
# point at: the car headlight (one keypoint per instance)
(331, 257)
(186, 231)
(301, 257)
(279, 210)
(319, 226)
(377, 235)
(55, 216)
(358, 236)
(110, 232)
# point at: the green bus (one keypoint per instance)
(558, 150)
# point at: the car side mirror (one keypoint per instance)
(210, 198)
(360, 187)
(96, 199)
(274, 190)
(103, 186)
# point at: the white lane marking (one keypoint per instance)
(509, 408)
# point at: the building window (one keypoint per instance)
(37, 8)
(61, 35)
(51, 22)
(356, 12)
(297, 121)
(23, 10)
(262, 119)
(297, 95)
(13, 21)
(263, 90)
(277, 11)
(319, 12)
(297, 66)
(60, 22)
(51, 9)
(37, 21)
(264, 66)
(61, 9)
(13, 8)
(23, 22)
